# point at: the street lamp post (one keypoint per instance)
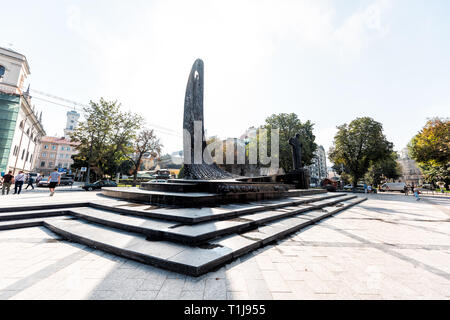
(89, 161)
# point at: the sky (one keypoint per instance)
(327, 61)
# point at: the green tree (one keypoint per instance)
(105, 136)
(359, 145)
(431, 149)
(146, 143)
(386, 168)
(289, 125)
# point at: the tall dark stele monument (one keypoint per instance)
(193, 111)
(194, 142)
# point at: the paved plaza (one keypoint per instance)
(389, 247)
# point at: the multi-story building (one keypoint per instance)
(55, 153)
(410, 172)
(21, 129)
(318, 170)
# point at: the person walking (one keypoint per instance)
(54, 180)
(8, 179)
(30, 182)
(405, 190)
(365, 188)
(416, 194)
(19, 181)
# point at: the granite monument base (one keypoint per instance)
(297, 179)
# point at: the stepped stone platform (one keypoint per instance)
(191, 241)
(207, 193)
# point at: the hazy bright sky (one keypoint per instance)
(327, 61)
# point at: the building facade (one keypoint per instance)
(410, 172)
(55, 153)
(21, 129)
(318, 170)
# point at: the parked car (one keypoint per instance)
(162, 174)
(65, 181)
(428, 186)
(393, 186)
(98, 185)
(350, 187)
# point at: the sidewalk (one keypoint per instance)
(389, 247)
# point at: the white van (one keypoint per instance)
(394, 186)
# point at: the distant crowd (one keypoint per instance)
(19, 180)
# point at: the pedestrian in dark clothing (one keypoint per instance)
(30, 182)
(8, 179)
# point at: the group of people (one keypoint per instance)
(19, 180)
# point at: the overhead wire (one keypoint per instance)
(158, 128)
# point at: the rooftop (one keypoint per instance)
(15, 55)
(59, 140)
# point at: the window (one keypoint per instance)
(50, 164)
(62, 148)
(61, 156)
(28, 154)
(42, 164)
(67, 156)
(52, 155)
(23, 154)
(2, 71)
(44, 154)
(45, 146)
(53, 147)
(68, 148)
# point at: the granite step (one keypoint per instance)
(62, 205)
(195, 199)
(276, 230)
(29, 223)
(163, 254)
(182, 258)
(197, 215)
(23, 215)
(198, 233)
